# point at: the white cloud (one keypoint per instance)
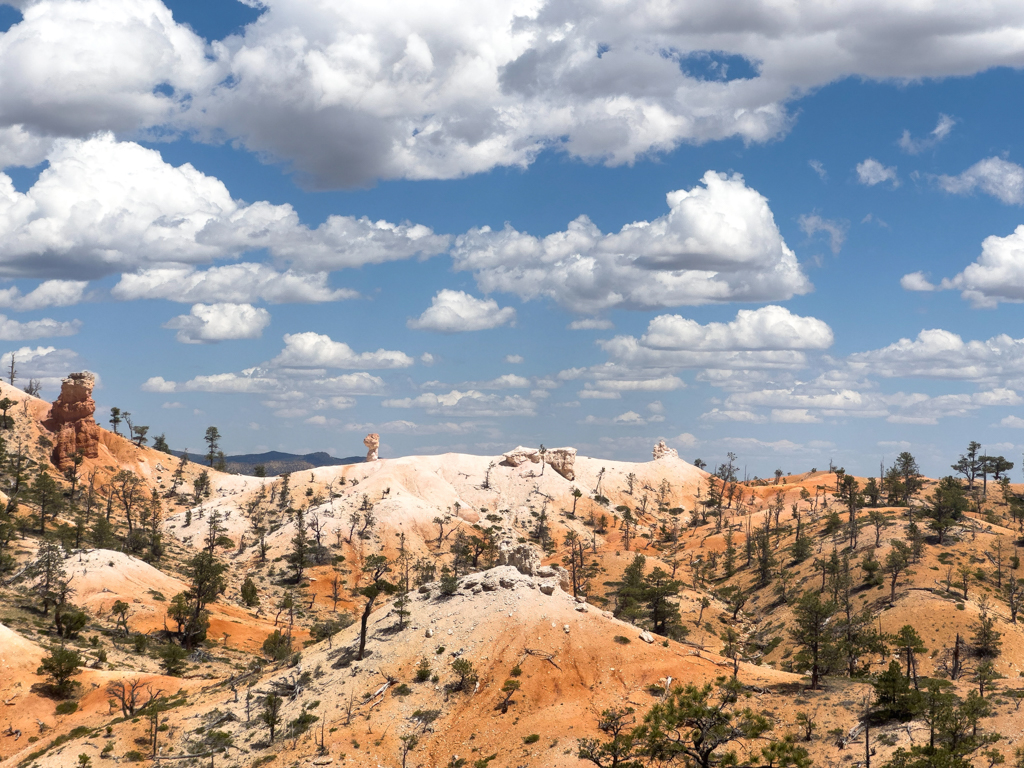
(174, 404)
(718, 243)
(1016, 422)
(598, 394)
(996, 276)
(513, 359)
(993, 176)
(457, 311)
(48, 364)
(427, 359)
(941, 354)
(345, 94)
(767, 328)
(872, 172)
(716, 414)
(686, 440)
(315, 350)
(239, 283)
(51, 293)
(916, 281)
(159, 384)
(13, 330)
(144, 213)
(818, 168)
(469, 403)
(590, 324)
(836, 230)
(794, 416)
(941, 130)
(506, 381)
(207, 323)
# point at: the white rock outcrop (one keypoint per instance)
(372, 443)
(561, 460)
(662, 451)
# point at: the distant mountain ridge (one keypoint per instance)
(277, 462)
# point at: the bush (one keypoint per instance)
(621, 640)
(278, 646)
(402, 690)
(449, 584)
(533, 738)
(133, 756)
(67, 707)
(423, 670)
(467, 675)
(141, 642)
(173, 658)
(60, 666)
(249, 594)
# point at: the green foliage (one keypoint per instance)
(423, 670)
(173, 656)
(467, 675)
(449, 583)
(60, 666)
(67, 707)
(533, 738)
(278, 645)
(249, 594)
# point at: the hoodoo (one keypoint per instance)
(71, 419)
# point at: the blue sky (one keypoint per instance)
(303, 221)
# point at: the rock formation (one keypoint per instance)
(560, 459)
(71, 418)
(372, 443)
(662, 451)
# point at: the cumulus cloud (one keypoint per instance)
(47, 364)
(770, 327)
(940, 354)
(344, 95)
(469, 403)
(916, 281)
(239, 283)
(513, 359)
(457, 311)
(811, 224)
(13, 330)
(207, 323)
(996, 276)
(993, 176)
(942, 129)
(872, 172)
(104, 206)
(718, 243)
(51, 293)
(315, 350)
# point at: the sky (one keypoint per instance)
(794, 232)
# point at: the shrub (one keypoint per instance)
(173, 658)
(67, 707)
(449, 584)
(402, 690)
(533, 738)
(249, 594)
(278, 646)
(621, 640)
(133, 756)
(467, 675)
(423, 670)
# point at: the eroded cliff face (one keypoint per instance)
(71, 420)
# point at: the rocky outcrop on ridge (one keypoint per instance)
(71, 419)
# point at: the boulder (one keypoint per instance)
(662, 451)
(523, 557)
(372, 443)
(561, 460)
(646, 636)
(71, 419)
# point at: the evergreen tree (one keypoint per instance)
(811, 632)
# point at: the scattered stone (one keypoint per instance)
(430, 632)
(565, 628)
(547, 589)
(581, 608)
(647, 637)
